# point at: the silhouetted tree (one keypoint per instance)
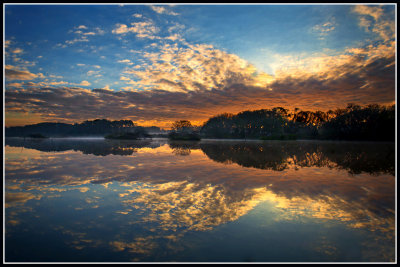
(183, 130)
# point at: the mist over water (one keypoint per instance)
(154, 200)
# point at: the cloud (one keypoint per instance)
(176, 27)
(185, 81)
(144, 29)
(12, 73)
(125, 61)
(212, 196)
(372, 84)
(59, 83)
(324, 29)
(373, 18)
(17, 85)
(17, 51)
(7, 44)
(76, 40)
(163, 10)
(92, 72)
(196, 82)
(12, 199)
(120, 29)
(194, 68)
(85, 83)
(82, 32)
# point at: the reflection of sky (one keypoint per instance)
(156, 198)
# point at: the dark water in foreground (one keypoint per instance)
(88, 200)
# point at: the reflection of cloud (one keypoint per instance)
(179, 207)
(140, 245)
(171, 194)
(183, 205)
(19, 198)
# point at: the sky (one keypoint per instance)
(155, 64)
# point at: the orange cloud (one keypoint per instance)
(13, 73)
(196, 82)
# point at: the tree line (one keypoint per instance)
(372, 122)
(98, 127)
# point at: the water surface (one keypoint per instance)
(95, 200)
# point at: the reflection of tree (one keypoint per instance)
(247, 155)
(354, 157)
(97, 147)
(183, 148)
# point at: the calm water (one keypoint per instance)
(233, 201)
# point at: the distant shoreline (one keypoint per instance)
(197, 141)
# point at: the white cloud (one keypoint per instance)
(144, 29)
(82, 35)
(99, 31)
(121, 28)
(322, 30)
(195, 68)
(55, 76)
(176, 27)
(85, 83)
(40, 75)
(59, 83)
(92, 72)
(126, 61)
(163, 10)
(76, 40)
